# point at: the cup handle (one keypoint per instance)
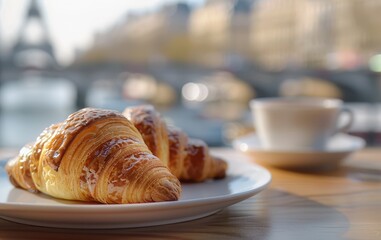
(348, 124)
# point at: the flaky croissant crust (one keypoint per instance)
(95, 155)
(188, 159)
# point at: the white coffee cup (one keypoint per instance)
(298, 123)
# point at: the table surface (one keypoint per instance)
(342, 203)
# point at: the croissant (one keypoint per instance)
(95, 155)
(187, 159)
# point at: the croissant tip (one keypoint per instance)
(165, 190)
(8, 168)
(221, 167)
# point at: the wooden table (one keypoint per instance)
(345, 203)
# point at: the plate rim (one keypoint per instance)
(235, 197)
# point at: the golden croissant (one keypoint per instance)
(95, 155)
(187, 159)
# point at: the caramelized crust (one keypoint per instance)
(152, 129)
(189, 160)
(177, 141)
(22, 164)
(65, 132)
(95, 155)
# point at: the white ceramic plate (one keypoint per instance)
(198, 200)
(338, 148)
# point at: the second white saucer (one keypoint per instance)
(338, 148)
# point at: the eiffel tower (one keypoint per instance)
(43, 46)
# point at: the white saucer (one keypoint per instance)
(338, 148)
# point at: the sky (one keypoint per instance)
(72, 23)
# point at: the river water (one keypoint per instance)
(31, 104)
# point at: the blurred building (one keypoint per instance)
(141, 39)
(220, 32)
(213, 35)
(276, 34)
(320, 34)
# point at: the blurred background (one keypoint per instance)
(198, 61)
